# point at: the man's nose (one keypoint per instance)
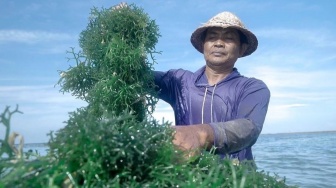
(219, 43)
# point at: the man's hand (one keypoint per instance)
(193, 138)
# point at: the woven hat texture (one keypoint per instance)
(224, 20)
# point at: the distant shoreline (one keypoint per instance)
(40, 144)
(308, 132)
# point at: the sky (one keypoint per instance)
(296, 57)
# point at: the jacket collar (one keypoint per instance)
(200, 78)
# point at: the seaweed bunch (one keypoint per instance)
(114, 141)
(113, 71)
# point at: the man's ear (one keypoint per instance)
(243, 48)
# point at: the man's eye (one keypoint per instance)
(211, 37)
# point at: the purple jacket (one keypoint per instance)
(235, 107)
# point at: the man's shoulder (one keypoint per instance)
(249, 81)
(242, 86)
(243, 83)
(186, 74)
(180, 73)
(256, 81)
(252, 85)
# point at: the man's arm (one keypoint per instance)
(234, 135)
(193, 137)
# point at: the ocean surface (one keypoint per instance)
(306, 160)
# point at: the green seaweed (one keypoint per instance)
(114, 141)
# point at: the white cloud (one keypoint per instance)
(38, 99)
(23, 36)
(282, 112)
(44, 108)
(314, 37)
(277, 77)
(163, 111)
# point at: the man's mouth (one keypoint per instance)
(218, 53)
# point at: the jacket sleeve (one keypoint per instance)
(162, 82)
(244, 130)
(167, 85)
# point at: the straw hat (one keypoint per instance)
(224, 20)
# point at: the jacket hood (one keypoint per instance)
(200, 78)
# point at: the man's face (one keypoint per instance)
(221, 47)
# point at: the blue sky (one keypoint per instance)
(296, 57)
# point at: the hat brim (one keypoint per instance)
(197, 38)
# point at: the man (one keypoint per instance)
(216, 106)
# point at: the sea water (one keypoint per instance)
(306, 160)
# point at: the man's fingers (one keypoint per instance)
(187, 141)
